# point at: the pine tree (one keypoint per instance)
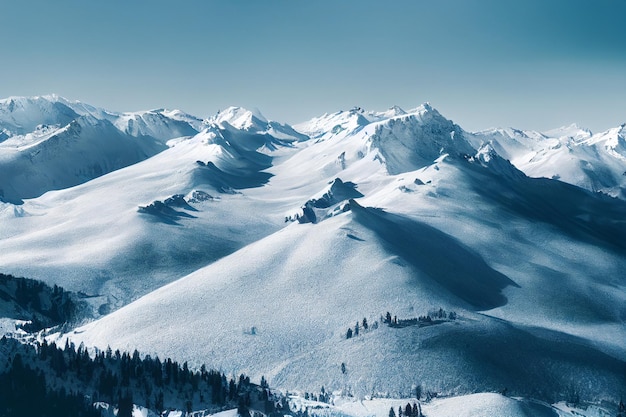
(349, 334)
(365, 325)
(392, 413)
(125, 405)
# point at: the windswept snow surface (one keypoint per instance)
(412, 214)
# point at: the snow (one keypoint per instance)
(324, 277)
(570, 154)
(253, 121)
(473, 405)
(446, 219)
(53, 143)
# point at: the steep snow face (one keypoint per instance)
(329, 125)
(572, 131)
(241, 118)
(348, 145)
(356, 117)
(512, 143)
(159, 124)
(613, 141)
(393, 111)
(413, 141)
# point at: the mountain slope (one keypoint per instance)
(442, 240)
(128, 232)
(253, 239)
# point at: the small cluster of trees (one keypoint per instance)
(43, 305)
(322, 396)
(362, 327)
(414, 410)
(433, 317)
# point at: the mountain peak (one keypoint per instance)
(240, 118)
(21, 115)
(572, 131)
(397, 109)
(418, 139)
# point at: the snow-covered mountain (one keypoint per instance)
(571, 154)
(254, 122)
(50, 143)
(253, 246)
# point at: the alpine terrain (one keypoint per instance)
(379, 255)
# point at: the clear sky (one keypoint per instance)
(531, 64)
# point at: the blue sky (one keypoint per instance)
(527, 64)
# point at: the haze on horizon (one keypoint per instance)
(525, 64)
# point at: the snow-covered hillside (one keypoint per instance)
(128, 232)
(253, 246)
(301, 288)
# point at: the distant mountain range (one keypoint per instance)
(253, 246)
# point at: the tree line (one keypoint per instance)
(48, 380)
(37, 302)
